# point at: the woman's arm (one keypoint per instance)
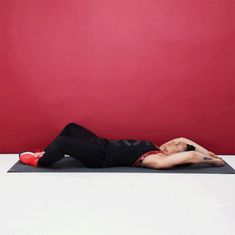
(163, 161)
(197, 146)
(168, 161)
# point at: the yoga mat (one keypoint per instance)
(69, 164)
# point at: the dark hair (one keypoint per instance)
(190, 147)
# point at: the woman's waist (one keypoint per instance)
(129, 143)
(126, 152)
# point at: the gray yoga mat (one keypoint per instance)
(69, 164)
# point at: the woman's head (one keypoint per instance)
(175, 146)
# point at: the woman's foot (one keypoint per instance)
(214, 161)
(30, 158)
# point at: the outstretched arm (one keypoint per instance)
(168, 161)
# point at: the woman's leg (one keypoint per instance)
(74, 130)
(86, 151)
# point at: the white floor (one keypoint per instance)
(115, 203)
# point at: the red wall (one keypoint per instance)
(153, 70)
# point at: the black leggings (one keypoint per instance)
(78, 142)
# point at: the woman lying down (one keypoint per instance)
(97, 152)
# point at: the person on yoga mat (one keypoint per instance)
(97, 152)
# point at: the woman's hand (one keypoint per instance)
(212, 154)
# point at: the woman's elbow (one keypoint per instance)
(159, 165)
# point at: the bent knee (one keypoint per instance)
(71, 124)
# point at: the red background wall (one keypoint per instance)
(153, 70)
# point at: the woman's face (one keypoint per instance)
(173, 146)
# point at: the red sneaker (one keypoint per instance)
(29, 158)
